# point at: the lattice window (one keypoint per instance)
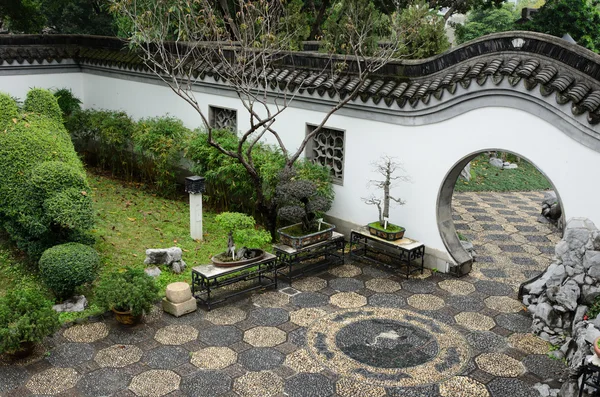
(327, 148)
(222, 118)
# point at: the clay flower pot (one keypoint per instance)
(126, 318)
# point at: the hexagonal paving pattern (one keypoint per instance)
(499, 364)
(504, 304)
(264, 383)
(53, 381)
(462, 386)
(11, 377)
(264, 336)
(118, 356)
(103, 382)
(225, 315)
(206, 383)
(477, 321)
(155, 383)
(166, 357)
(382, 285)
(457, 287)
(529, 343)
(86, 333)
(426, 302)
(348, 299)
(176, 334)
(214, 358)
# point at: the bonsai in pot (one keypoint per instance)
(387, 167)
(301, 204)
(129, 294)
(242, 234)
(26, 318)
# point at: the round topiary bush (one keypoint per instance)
(25, 316)
(8, 110)
(67, 266)
(42, 102)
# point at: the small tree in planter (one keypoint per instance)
(26, 318)
(242, 228)
(386, 167)
(300, 202)
(129, 294)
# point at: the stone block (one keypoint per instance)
(178, 292)
(179, 309)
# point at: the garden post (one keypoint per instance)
(195, 186)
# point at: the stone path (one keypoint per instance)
(355, 330)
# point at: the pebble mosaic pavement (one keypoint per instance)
(335, 333)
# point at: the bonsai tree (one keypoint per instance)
(242, 228)
(129, 290)
(386, 167)
(26, 317)
(300, 202)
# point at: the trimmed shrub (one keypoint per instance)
(25, 316)
(67, 102)
(131, 289)
(43, 186)
(42, 102)
(8, 110)
(65, 267)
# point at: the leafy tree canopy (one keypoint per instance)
(480, 22)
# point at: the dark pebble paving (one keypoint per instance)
(476, 210)
(130, 336)
(493, 288)
(461, 226)
(524, 261)
(506, 387)
(346, 284)
(514, 322)
(538, 239)
(423, 391)
(507, 212)
(493, 273)
(511, 248)
(103, 382)
(419, 286)
(206, 384)
(544, 366)
(490, 226)
(298, 337)
(526, 228)
(386, 300)
(11, 377)
(375, 272)
(548, 250)
(485, 341)
(310, 299)
(485, 259)
(498, 237)
(222, 335)
(465, 303)
(69, 354)
(260, 358)
(531, 273)
(268, 317)
(439, 315)
(484, 218)
(309, 385)
(166, 357)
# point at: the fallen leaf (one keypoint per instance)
(131, 219)
(83, 192)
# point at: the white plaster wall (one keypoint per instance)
(18, 85)
(427, 152)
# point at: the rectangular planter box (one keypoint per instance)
(389, 236)
(298, 242)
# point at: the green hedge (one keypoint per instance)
(8, 110)
(44, 198)
(42, 102)
(65, 267)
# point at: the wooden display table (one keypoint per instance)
(400, 254)
(208, 278)
(293, 263)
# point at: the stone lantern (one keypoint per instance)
(195, 186)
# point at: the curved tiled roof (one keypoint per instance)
(555, 67)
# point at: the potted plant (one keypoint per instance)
(386, 167)
(26, 318)
(300, 202)
(242, 229)
(129, 294)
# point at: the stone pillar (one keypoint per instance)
(195, 186)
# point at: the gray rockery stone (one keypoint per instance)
(166, 256)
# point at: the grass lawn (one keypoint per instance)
(487, 178)
(129, 220)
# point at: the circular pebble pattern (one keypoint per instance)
(270, 299)
(53, 381)
(382, 285)
(155, 383)
(225, 315)
(476, 321)
(324, 346)
(118, 356)
(305, 317)
(499, 364)
(461, 386)
(214, 358)
(347, 300)
(345, 271)
(264, 336)
(350, 388)
(263, 383)
(426, 302)
(457, 287)
(529, 343)
(86, 333)
(503, 304)
(176, 334)
(310, 284)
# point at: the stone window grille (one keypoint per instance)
(222, 118)
(327, 148)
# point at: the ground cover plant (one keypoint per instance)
(487, 178)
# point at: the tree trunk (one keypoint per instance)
(316, 27)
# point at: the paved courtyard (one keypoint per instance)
(355, 330)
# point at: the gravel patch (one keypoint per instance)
(310, 284)
(260, 358)
(53, 381)
(301, 361)
(310, 299)
(271, 299)
(346, 284)
(506, 387)
(457, 287)
(500, 365)
(514, 322)
(176, 334)
(465, 303)
(263, 384)
(155, 383)
(314, 385)
(486, 341)
(349, 388)
(345, 271)
(419, 286)
(214, 358)
(382, 285)
(12, 377)
(206, 383)
(529, 343)
(221, 335)
(118, 356)
(264, 336)
(69, 354)
(86, 333)
(503, 304)
(166, 357)
(103, 382)
(266, 316)
(461, 386)
(225, 315)
(476, 321)
(426, 302)
(544, 366)
(347, 300)
(305, 317)
(386, 300)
